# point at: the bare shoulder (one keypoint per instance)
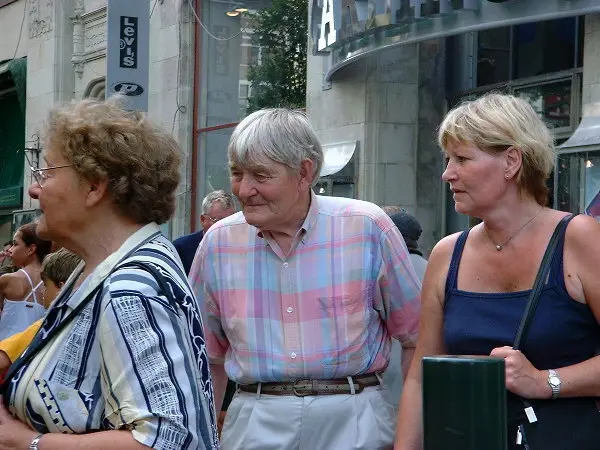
(583, 230)
(442, 252)
(438, 266)
(8, 281)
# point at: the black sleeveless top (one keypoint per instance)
(563, 331)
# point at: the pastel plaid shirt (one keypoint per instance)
(326, 311)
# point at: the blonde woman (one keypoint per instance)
(477, 283)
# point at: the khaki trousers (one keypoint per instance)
(328, 422)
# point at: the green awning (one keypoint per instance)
(13, 76)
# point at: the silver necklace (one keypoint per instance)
(500, 247)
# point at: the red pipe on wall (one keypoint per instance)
(195, 115)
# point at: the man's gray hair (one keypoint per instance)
(222, 197)
(278, 134)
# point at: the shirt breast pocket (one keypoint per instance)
(64, 409)
(349, 303)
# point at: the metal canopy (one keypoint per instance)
(586, 137)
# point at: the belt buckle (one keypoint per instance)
(308, 385)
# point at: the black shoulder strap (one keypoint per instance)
(538, 286)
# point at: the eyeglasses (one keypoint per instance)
(212, 219)
(41, 176)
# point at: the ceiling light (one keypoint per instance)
(233, 13)
(241, 9)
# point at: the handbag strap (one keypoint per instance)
(540, 281)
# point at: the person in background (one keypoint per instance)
(499, 156)
(21, 292)
(123, 342)
(6, 265)
(411, 231)
(216, 206)
(55, 270)
(302, 295)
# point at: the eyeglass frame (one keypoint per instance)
(213, 220)
(40, 176)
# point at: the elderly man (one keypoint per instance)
(302, 294)
(216, 206)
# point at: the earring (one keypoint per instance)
(506, 176)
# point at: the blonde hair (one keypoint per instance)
(140, 160)
(496, 122)
(58, 266)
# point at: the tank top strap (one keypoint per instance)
(28, 278)
(451, 279)
(33, 288)
(557, 270)
(32, 293)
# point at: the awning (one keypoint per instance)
(337, 156)
(586, 136)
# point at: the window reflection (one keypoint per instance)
(552, 102)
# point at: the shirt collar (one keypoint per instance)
(104, 269)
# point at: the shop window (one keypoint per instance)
(551, 101)
(544, 47)
(493, 56)
(579, 181)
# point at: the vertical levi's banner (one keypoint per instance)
(127, 51)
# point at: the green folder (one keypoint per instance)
(464, 403)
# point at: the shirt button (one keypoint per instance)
(285, 265)
(290, 309)
(293, 355)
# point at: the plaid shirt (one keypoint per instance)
(327, 310)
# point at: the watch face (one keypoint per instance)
(555, 381)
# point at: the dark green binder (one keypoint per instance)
(464, 403)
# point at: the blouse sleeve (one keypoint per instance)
(149, 376)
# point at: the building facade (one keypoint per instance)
(55, 51)
(382, 75)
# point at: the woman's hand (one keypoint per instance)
(14, 434)
(521, 377)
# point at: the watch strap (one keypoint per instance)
(555, 387)
(35, 442)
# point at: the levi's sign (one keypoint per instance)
(129, 42)
(127, 54)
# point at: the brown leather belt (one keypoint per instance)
(305, 386)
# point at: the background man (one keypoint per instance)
(216, 206)
(411, 231)
(301, 294)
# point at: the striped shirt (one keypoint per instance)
(133, 358)
(327, 310)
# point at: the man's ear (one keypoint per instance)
(96, 191)
(513, 161)
(306, 172)
(60, 284)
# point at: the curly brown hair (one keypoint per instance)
(140, 160)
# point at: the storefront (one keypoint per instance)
(12, 145)
(383, 74)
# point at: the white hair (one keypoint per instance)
(279, 134)
(222, 197)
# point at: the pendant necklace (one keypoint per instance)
(500, 247)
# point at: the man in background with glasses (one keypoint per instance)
(216, 206)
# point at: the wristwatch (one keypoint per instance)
(554, 382)
(35, 442)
